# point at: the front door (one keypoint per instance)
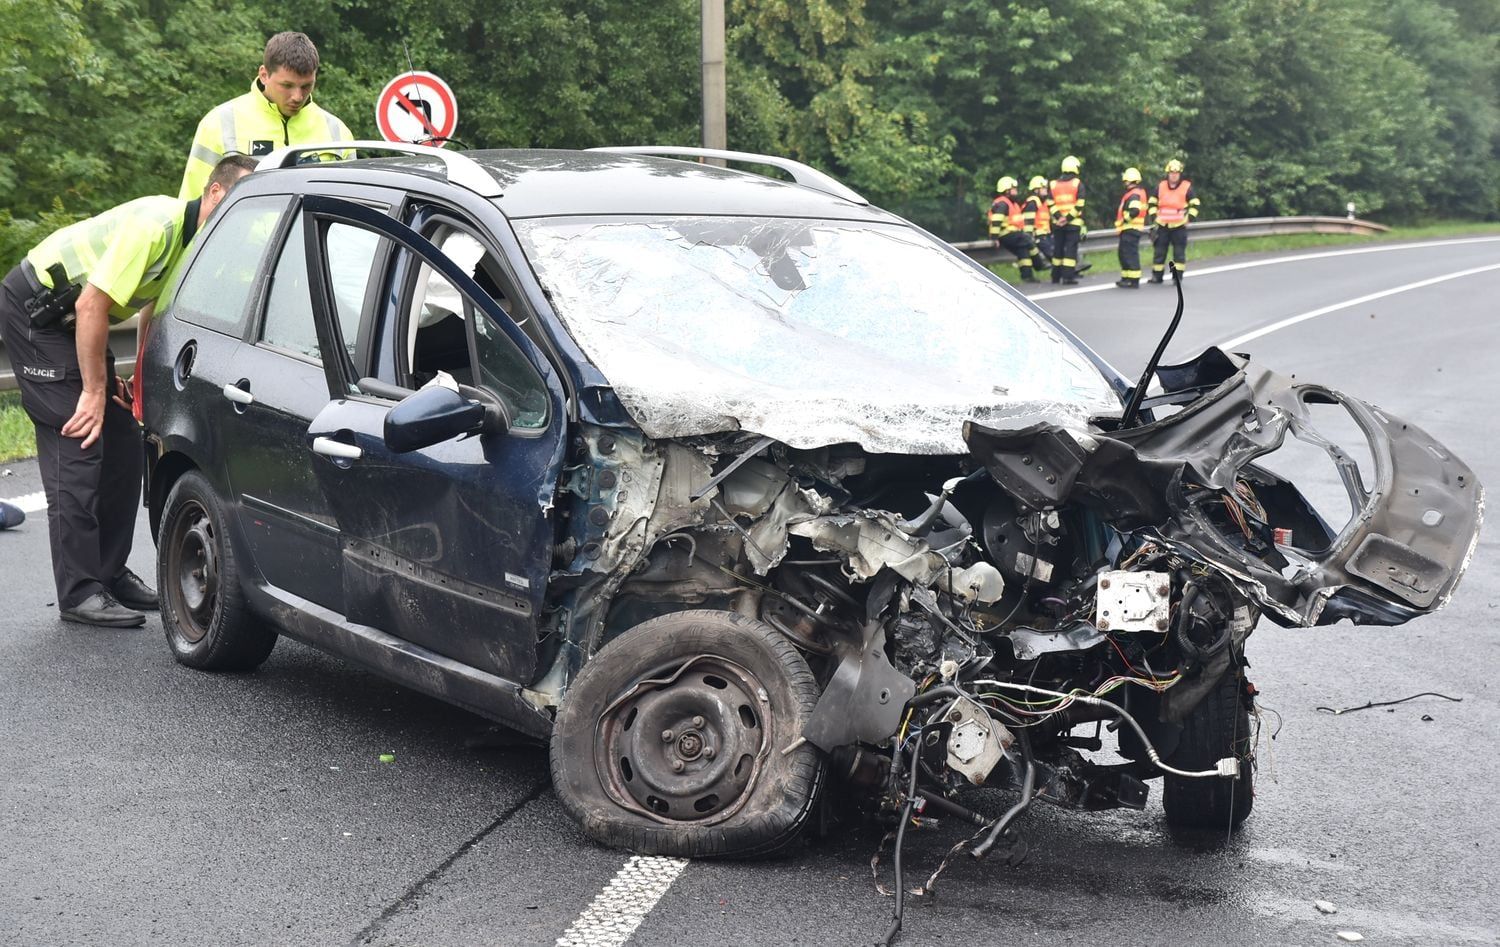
(447, 547)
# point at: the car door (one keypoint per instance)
(447, 546)
(280, 382)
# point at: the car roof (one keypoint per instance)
(553, 183)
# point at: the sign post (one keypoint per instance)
(417, 107)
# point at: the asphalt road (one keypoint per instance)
(144, 803)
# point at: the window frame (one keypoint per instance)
(255, 300)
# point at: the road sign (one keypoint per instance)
(416, 107)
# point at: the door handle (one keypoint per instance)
(329, 447)
(238, 395)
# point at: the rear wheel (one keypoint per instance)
(674, 739)
(1217, 728)
(207, 622)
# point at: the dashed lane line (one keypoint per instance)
(1273, 261)
(1254, 334)
(614, 914)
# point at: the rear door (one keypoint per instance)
(281, 379)
(447, 547)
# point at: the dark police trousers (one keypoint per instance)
(92, 495)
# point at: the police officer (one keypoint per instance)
(1067, 221)
(1130, 220)
(1008, 228)
(56, 306)
(277, 111)
(1172, 206)
(1036, 215)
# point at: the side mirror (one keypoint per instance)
(431, 416)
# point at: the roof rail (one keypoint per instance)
(460, 169)
(801, 173)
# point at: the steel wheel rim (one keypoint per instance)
(194, 574)
(685, 744)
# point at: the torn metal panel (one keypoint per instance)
(1401, 553)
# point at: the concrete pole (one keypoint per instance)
(715, 127)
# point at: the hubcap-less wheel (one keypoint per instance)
(686, 744)
(195, 569)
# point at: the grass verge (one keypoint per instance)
(17, 437)
(1103, 255)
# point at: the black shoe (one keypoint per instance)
(11, 516)
(1156, 277)
(102, 609)
(1069, 281)
(1027, 276)
(1082, 268)
(1128, 283)
(133, 592)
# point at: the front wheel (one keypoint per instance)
(203, 610)
(1217, 728)
(681, 737)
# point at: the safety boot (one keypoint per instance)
(1027, 276)
(1128, 282)
(1156, 276)
(1057, 271)
(1069, 276)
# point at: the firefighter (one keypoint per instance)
(1172, 206)
(1036, 216)
(277, 111)
(56, 306)
(1130, 220)
(1067, 221)
(1008, 228)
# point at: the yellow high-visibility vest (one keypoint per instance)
(128, 251)
(251, 124)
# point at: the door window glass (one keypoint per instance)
(289, 324)
(438, 338)
(216, 292)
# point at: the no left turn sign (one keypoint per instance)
(416, 107)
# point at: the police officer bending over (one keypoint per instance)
(56, 307)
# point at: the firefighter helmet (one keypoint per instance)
(1005, 184)
(1037, 182)
(1070, 165)
(1174, 165)
(1131, 176)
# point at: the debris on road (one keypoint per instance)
(1327, 907)
(387, 757)
(1386, 703)
(1352, 937)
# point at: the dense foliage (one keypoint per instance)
(1278, 106)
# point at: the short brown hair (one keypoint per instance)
(229, 169)
(294, 51)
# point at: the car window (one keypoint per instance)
(216, 292)
(289, 325)
(438, 340)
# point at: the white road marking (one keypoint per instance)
(1293, 320)
(1251, 264)
(28, 502)
(614, 914)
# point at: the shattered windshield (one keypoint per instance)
(810, 331)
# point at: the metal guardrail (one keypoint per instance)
(122, 336)
(985, 251)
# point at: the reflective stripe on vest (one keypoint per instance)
(1006, 216)
(1064, 196)
(1171, 203)
(1041, 215)
(1138, 222)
